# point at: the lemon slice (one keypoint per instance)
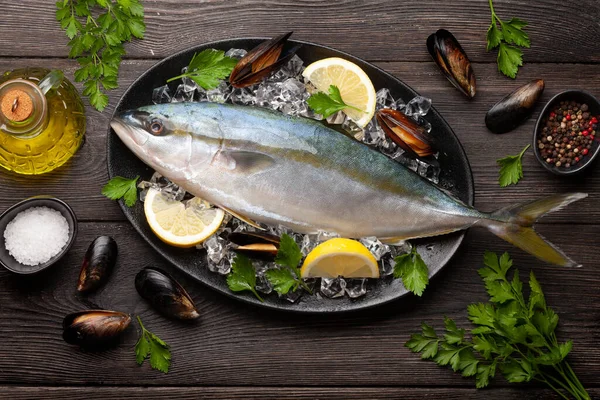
(181, 224)
(340, 257)
(355, 86)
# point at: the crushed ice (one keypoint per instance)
(286, 91)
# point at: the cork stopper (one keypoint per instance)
(16, 105)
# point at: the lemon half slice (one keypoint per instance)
(340, 257)
(355, 86)
(179, 224)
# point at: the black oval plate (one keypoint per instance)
(456, 177)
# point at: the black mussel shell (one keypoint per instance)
(165, 294)
(261, 61)
(259, 245)
(405, 132)
(449, 55)
(514, 108)
(94, 328)
(98, 263)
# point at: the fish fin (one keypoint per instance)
(514, 224)
(241, 161)
(242, 218)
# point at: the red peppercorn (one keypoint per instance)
(584, 151)
(568, 117)
(577, 159)
(585, 133)
(594, 120)
(552, 114)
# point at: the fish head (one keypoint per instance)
(171, 138)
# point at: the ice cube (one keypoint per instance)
(353, 130)
(243, 96)
(337, 118)
(236, 53)
(292, 89)
(294, 67)
(161, 94)
(356, 288)
(333, 288)
(385, 99)
(309, 242)
(428, 171)
(293, 297)
(418, 106)
(220, 94)
(182, 94)
(262, 283)
(376, 248)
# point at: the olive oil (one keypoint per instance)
(42, 120)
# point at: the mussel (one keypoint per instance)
(165, 294)
(265, 58)
(94, 328)
(449, 55)
(405, 132)
(98, 263)
(514, 108)
(259, 245)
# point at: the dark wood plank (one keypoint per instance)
(79, 182)
(392, 30)
(234, 344)
(266, 393)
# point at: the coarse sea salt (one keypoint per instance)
(36, 235)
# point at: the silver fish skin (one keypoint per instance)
(296, 172)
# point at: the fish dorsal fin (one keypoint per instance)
(242, 218)
(242, 161)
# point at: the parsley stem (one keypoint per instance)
(544, 380)
(141, 325)
(257, 295)
(305, 286)
(177, 77)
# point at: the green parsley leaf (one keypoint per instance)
(509, 60)
(242, 276)
(425, 343)
(289, 253)
(511, 169)
(119, 187)
(328, 104)
(92, 39)
(494, 37)
(513, 33)
(282, 280)
(208, 68)
(484, 373)
(453, 334)
(287, 278)
(412, 270)
(150, 345)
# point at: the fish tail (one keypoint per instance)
(515, 225)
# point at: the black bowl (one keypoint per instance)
(456, 177)
(13, 265)
(579, 96)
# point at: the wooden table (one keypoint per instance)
(238, 351)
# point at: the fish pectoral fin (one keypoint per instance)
(241, 161)
(242, 218)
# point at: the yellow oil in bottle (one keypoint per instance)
(42, 120)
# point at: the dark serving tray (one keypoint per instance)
(436, 252)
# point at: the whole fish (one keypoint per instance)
(268, 167)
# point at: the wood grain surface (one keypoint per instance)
(236, 351)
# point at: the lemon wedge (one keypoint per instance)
(355, 86)
(340, 257)
(181, 224)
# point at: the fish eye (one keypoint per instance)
(156, 126)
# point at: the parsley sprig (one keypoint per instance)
(208, 68)
(150, 345)
(512, 334)
(119, 187)
(242, 276)
(328, 104)
(287, 277)
(507, 38)
(412, 270)
(511, 168)
(97, 42)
